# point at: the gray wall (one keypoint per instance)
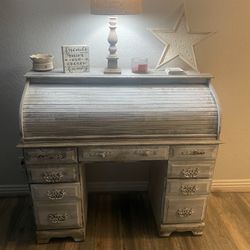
(31, 26)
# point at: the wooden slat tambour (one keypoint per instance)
(78, 110)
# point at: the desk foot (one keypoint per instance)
(44, 237)
(167, 229)
(197, 232)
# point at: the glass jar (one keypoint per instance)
(139, 65)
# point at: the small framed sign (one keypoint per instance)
(75, 58)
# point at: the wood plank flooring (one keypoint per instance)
(124, 221)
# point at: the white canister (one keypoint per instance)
(42, 62)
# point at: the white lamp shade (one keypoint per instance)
(116, 7)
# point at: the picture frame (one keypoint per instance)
(75, 58)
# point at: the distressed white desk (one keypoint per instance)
(69, 120)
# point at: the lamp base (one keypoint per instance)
(112, 67)
(112, 71)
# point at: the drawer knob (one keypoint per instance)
(52, 176)
(188, 189)
(56, 194)
(190, 172)
(184, 212)
(57, 218)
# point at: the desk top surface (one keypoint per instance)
(95, 74)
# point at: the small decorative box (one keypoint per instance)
(75, 58)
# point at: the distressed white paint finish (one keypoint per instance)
(159, 113)
(125, 106)
(58, 215)
(55, 192)
(51, 174)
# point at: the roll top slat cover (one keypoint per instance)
(61, 106)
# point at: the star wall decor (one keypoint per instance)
(179, 44)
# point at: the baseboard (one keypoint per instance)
(117, 186)
(235, 185)
(13, 190)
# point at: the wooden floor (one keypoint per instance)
(125, 221)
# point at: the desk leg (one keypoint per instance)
(44, 237)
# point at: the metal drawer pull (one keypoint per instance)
(52, 176)
(103, 155)
(98, 154)
(188, 189)
(56, 194)
(184, 212)
(190, 172)
(193, 152)
(57, 218)
(144, 152)
(59, 156)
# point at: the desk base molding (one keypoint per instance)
(44, 237)
(167, 229)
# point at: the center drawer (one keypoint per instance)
(123, 153)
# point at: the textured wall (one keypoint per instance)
(30, 26)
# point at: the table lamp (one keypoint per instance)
(114, 7)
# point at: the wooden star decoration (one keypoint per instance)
(179, 44)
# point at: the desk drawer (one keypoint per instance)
(184, 210)
(50, 155)
(58, 216)
(188, 187)
(53, 173)
(55, 192)
(190, 169)
(195, 152)
(123, 153)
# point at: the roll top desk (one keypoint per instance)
(68, 120)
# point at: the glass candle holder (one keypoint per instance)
(139, 65)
